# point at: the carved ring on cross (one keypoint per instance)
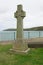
(21, 14)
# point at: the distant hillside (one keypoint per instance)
(28, 29)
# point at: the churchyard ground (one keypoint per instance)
(34, 56)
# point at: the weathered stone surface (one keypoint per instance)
(19, 14)
(19, 44)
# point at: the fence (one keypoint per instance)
(11, 35)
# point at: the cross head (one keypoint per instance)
(19, 12)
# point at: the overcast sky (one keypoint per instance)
(33, 9)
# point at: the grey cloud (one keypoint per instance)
(3, 10)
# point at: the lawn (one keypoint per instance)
(34, 57)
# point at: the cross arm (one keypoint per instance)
(15, 14)
(23, 14)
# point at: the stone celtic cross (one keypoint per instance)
(19, 45)
(19, 14)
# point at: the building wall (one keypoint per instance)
(11, 35)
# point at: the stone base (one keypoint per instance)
(20, 46)
(20, 52)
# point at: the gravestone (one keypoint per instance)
(20, 45)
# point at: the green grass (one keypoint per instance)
(34, 57)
